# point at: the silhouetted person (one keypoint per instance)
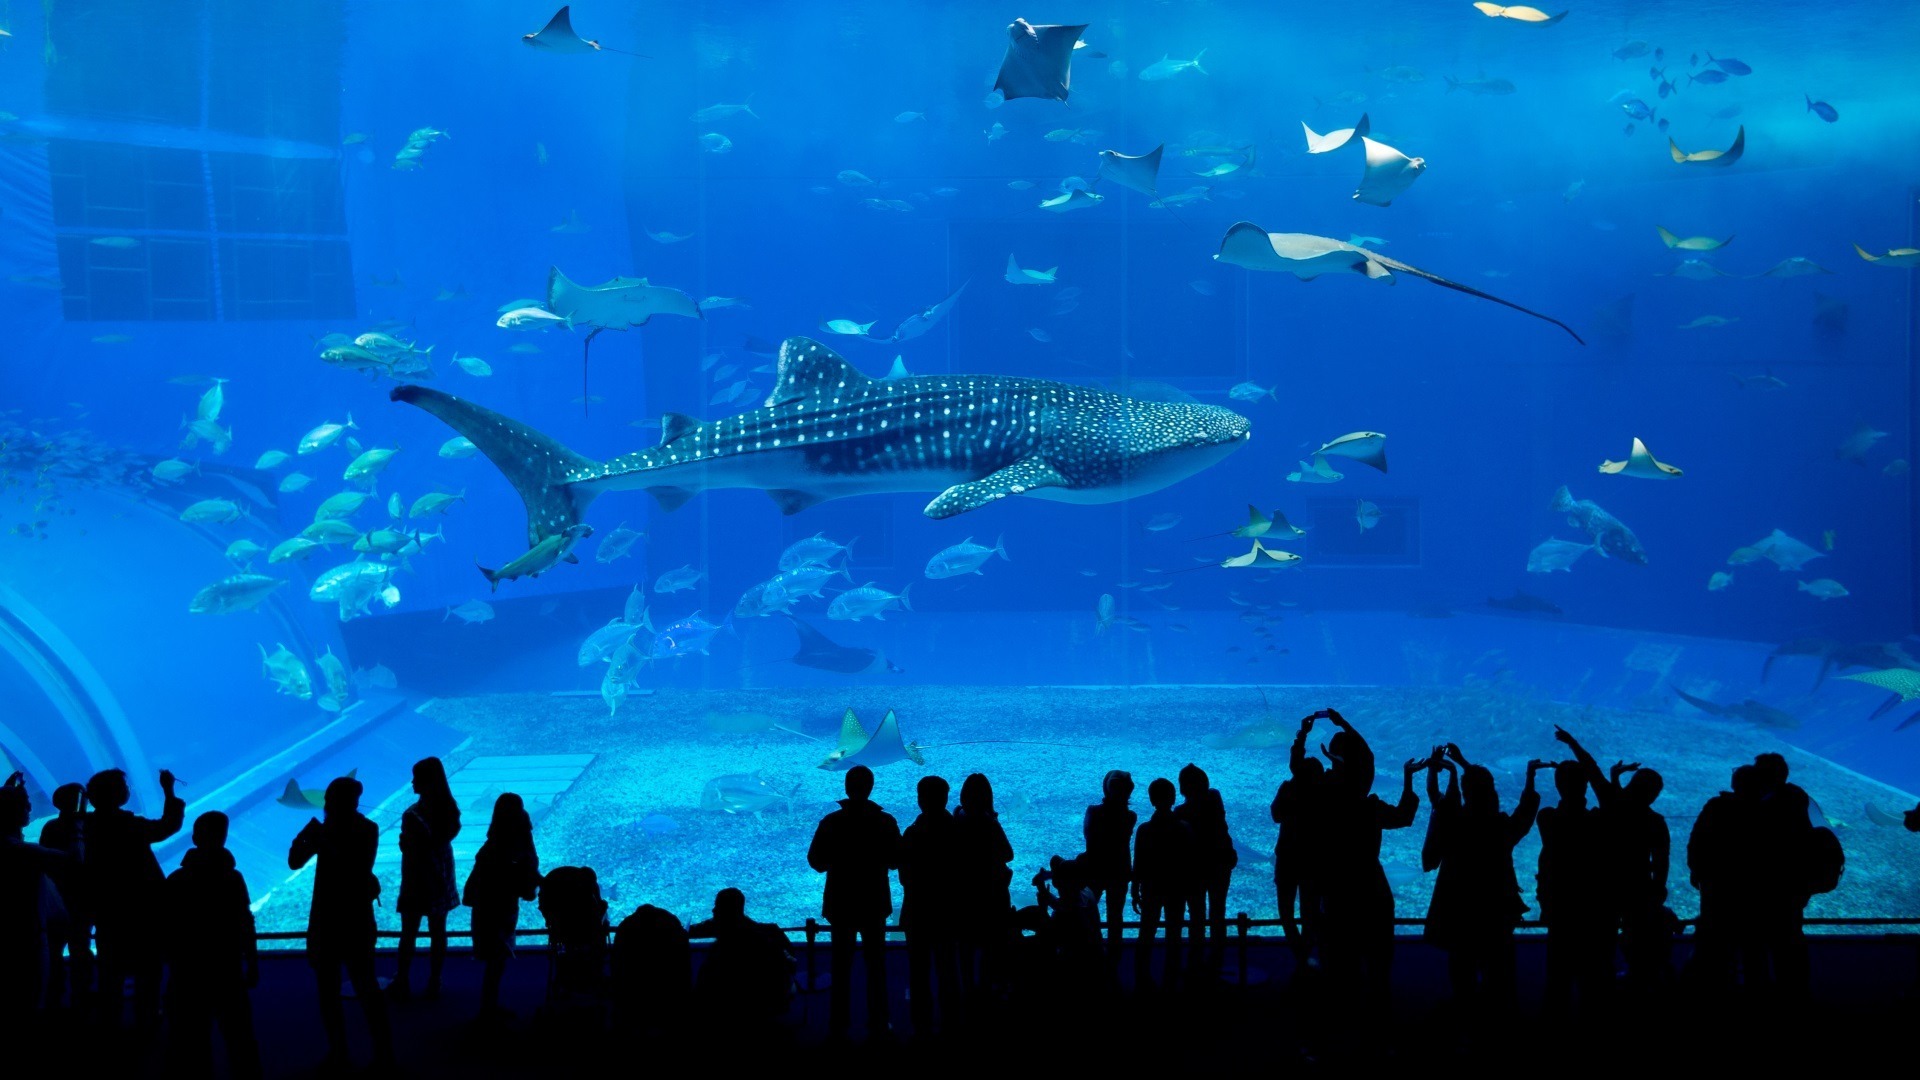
(505, 871)
(73, 932)
(124, 883)
(1776, 947)
(427, 887)
(1162, 879)
(340, 926)
(855, 846)
(746, 975)
(652, 970)
(1638, 847)
(1295, 857)
(28, 904)
(1107, 829)
(1213, 861)
(931, 859)
(1720, 861)
(1574, 890)
(1355, 898)
(1069, 933)
(985, 885)
(212, 960)
(1476, 897)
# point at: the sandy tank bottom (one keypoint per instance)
(634, 812)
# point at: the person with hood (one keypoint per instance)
(855, 847)
(340, 926)
(124, 883)
(212, 959)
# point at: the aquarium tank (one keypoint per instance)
(653, 410)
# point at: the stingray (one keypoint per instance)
(1389, 173)
(1690, 243)
(1641, 463)
(1711, 157)
(1896, 258)
(558, 36)
(1039, 61)
(1258, 525)
(1306, 257)
(884, 745)
(824, 654)
(1334, 140)
(1794, 266)
(1519, 13)
(923, 320)
(1139, 173)
(619, 304)
(1904, 683)
(1365, 447)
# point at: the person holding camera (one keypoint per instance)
(340, 925)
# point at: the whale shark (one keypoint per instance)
(826, 431)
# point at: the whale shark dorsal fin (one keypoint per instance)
(673, 425)
(852, 735)
(1016, 479)
(809, 369)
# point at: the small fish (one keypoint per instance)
(241, 592)
(617, 543)
(995, 133)
(1855, 446)
(1706, 321)
(674, 581)
(472, 365)
(909, 117)
(1821, 109)
(1166, 68)
(1824, 589)
(293, 482)
(324, 436)
(1637, 109)
(458, 447)
(433, 502)
(869, 599)
(1632, 49)
(723, 111)
(1367, 514)
(1020, 185)
(667, 236)
(854, 178)
(815, 550)
(1555, 555)
(212, 512)
(1247, 391)
(1710, 76)
(1039, 335)
(1720, 580)
(1827, 538)
(173, 470)
(116, 243)
(1161, 522)
(846, 327)
(1204, 288)
(1730, 65)
(715, 143)
(965, 557)
(1896, 467)
(471, 612)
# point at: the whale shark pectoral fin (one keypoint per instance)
(792, 502)
(1018, 478)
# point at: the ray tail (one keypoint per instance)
(1470, 291)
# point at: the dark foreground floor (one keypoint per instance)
(1864, 1003)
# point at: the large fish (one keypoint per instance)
(1610, 537)
(828, 432)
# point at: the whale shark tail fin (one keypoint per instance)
(546, 474)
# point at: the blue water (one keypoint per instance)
(248, 152)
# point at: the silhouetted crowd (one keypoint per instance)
(87, 911)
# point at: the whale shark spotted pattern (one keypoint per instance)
(826, 432)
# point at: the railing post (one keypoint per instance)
(813, 934)
(1241, 924)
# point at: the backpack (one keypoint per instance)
(1822, 860)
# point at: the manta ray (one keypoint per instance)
(819, 651)
(617, 304)
(923, 320)
(828, 432)
(1039, 61)
(1306, 257)
(1138, 172)
(883, 747)
(558, 36)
